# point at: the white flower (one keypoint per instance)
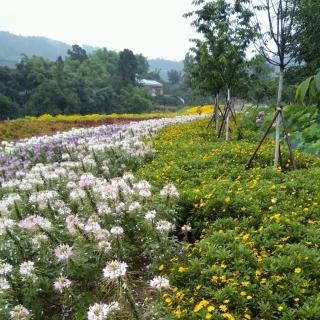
(159, 282)
(134, 206)
(100, 311)
(19, 313)
(164, 226)
(143, 188)
(5, 268)
(117, 231)
(63, 252)
(169, 190)
(4, 284)
(61, 283)
(150, 215)
(27, 269)
(103, 209)
(114, 269)
(186, 228)
(6, 224)
(104, 246)
(39, 239)
(35, 221)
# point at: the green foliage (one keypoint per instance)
(81, 83)
(309, 90)
(253, 250)
(218, 61)
(134, 100)
(302, 122)
(128, 67)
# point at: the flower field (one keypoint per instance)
(156, 219)
(79, 232)
(48, 124)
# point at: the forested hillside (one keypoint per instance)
(13, 46)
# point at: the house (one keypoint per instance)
(155, 87)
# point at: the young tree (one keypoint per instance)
(201, 74)
(277, 43)
(225, 27)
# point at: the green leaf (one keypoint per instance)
(317, 82)
(303, 89)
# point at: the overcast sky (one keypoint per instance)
(154, 28)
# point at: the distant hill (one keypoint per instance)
(13, 46)
(165, 65)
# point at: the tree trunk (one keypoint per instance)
(227, 117)
(277, 138)
(216, 112)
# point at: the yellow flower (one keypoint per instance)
(249, 297)
(200, 305)
(211, 308)
(280, 308)
(177, 313)
(161, 267)
(223, 307)
(208, 316)
(227, 200)
(182, 269)
(297, 270)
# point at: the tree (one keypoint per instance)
(227, 33)
(77, 53)
(202, 74)
(259, 80)
(307, 20)
(174, 76)
(128, 67)
(142, 65)
(280, 34)
(8, 109)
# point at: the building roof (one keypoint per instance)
(151, 83)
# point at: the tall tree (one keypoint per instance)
(128, 67)
(77, 53)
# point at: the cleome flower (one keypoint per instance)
(150, 215)
(61, 283)
(27, 270)
(159, 282)
(100, 311)
(114, 269)
(4, 284)
(5, 268)
(164, 226)
(63, 252)
(20, 313)
(169, 190)
(117, 231)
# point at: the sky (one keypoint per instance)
(154, 28)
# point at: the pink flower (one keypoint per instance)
(63, 252)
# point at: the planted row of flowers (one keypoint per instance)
(81, 236)
(253, 248)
